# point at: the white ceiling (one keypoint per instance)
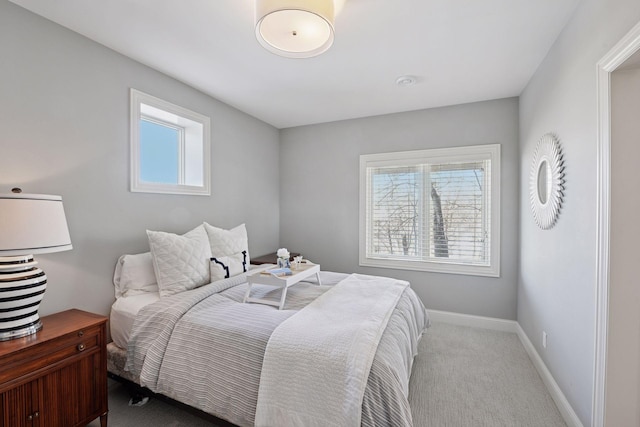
(460, 50)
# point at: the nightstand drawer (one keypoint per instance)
(47, 354)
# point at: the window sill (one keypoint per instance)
(432, 267)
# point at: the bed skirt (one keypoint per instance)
(116, 360)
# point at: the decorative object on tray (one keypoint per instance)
(546, 181)
(297, 260)
(278, 272)
(283, 258)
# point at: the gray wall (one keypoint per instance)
(319, 194)
(64, 114)
(556, 291)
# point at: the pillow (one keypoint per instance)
(228, 266)
(181, 263)
(134, 275)
(226, 243)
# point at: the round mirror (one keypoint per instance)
(544, 181)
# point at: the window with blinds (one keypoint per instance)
(433, 210)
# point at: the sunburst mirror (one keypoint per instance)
(546, 181)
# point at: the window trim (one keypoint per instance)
(137, 98)
(437, 155)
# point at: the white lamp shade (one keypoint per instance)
(32, 224)
(295, 28)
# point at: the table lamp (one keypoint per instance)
(29, 224)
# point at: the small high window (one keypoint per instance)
(170, 147)
(432, 210)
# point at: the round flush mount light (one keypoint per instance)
(295, 28)
(406, 80)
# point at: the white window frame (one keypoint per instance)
(195, 131)
(434, 156)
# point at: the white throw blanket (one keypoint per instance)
(317, 362)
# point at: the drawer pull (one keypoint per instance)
(36, 415)
(81, 347)
(80, 333)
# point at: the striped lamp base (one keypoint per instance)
(22, 287)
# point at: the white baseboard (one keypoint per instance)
(569, 415)
(473, 321)
(567, 412)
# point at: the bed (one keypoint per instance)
(207, 349)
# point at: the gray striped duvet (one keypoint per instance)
(205, 348)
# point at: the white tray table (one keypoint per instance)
(302, 272)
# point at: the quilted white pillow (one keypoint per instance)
(228, 242)
(134, 275)
(228, 266)
(180, 262)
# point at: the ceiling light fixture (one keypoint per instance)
(295, 28)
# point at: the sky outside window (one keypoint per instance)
(159, 153)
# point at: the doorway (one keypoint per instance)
(617, 367)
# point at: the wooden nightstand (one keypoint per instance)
(270, 258)
(56, 377)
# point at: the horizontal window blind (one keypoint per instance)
(396, 211)
(429, 209)
(459, 212)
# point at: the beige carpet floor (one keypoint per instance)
(477, 378)
(462, 377)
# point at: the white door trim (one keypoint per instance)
(626, 47)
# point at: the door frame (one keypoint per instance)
(622, 51)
